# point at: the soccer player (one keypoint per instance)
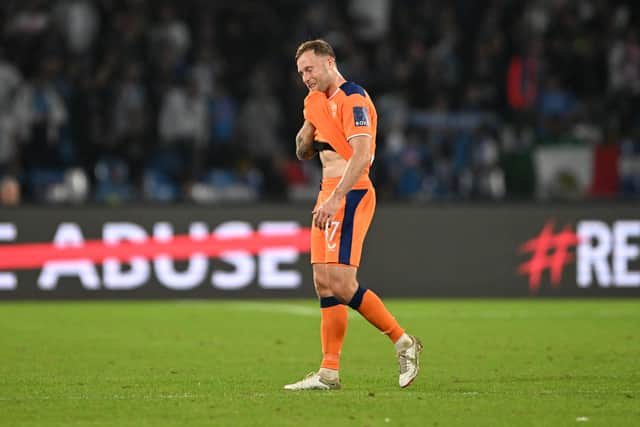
(340, 124)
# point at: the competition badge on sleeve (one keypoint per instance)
(361, 116)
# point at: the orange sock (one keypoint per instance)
(371, 307)
(333, 328)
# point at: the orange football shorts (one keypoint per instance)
(341, 241)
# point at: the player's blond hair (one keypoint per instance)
(318, 46)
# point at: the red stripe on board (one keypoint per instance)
(35, 255)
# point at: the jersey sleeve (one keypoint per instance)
(356, 116)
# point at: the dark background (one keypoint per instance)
(120, 101)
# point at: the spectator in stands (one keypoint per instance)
(78, 21)
(183, 130)
(8, 142)
(260, 120)
(130, 119)
(10, 81)
(40, 113)
(86, 83)
(9, 191)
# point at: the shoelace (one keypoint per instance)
(403, 360)
(306, 379)
(309, 378)
(310, 375)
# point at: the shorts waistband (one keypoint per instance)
(328, 184)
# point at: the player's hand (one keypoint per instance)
(323, 214)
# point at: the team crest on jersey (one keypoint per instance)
(361, 116)
(334, 108)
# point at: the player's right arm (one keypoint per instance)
(304, 141)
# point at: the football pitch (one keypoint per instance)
(223, 363)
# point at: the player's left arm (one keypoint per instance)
(356, 165)
(304, 141)
(359, 129)
(353, 171)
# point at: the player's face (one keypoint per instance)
(314, 70)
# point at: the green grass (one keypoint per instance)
(189, 363)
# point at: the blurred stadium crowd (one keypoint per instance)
(114, 101)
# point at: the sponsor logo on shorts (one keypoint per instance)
(330, 234)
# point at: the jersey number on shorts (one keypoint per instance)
(330, 233)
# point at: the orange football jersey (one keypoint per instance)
(348, 113)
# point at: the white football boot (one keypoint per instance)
(313, 381)
(409, 361)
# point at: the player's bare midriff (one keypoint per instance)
(333, 165)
